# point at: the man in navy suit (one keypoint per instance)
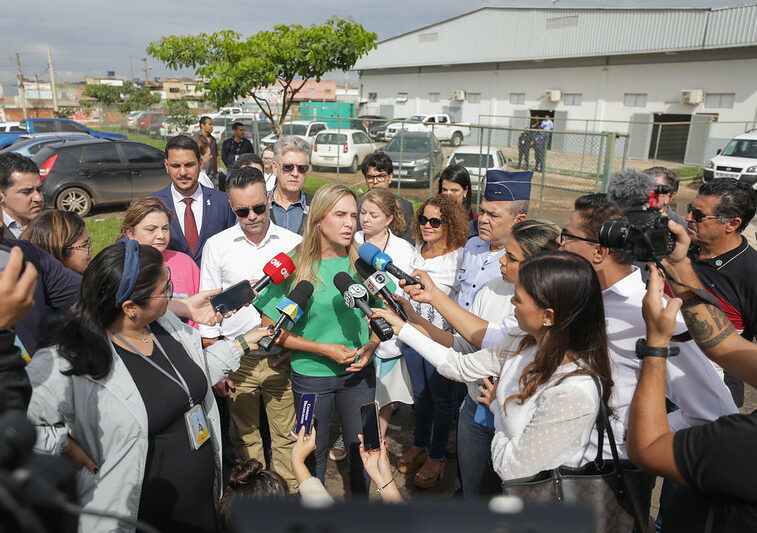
(199, 212)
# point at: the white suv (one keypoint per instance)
(737, 160)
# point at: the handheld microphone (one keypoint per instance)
(355, 295)
(291, 308)
(375, 282)
(276, 270)
(371, 254)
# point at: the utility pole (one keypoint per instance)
(52, 78)
(39, 94)
(21, 93)
(131, 69)
(144, 62)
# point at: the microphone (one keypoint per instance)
(355, 295)
(291, 308)
(276, 270)
(17, 437)
(371, 254)
(375, 282)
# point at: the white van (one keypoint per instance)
(737, 160)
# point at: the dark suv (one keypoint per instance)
(417, 157)
(79, 174)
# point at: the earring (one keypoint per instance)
(546, 324)
(133, 315)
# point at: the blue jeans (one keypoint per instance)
(473, 450)
(434, 399)
(347, 393)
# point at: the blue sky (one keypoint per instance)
(81, 32)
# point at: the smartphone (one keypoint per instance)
(305, 415)
(233, 298)
(370, 419)
(5, 255)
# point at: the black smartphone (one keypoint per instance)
(5, 255)
(370, 419)
(233, 298)
(305, 415)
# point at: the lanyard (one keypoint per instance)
(182, 383)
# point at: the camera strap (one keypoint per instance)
(703, 294)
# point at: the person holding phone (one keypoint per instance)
(119, 390)
(331, 344)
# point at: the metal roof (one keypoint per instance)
(494, 34)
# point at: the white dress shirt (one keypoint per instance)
(443, 270)
(14, 227)
(270, 181)
(228, 258)
(205, 180)
(180, 207)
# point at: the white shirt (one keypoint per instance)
(14, 227)
(205, 180)
(180, 207)
(401, 253)
(443, 271)
(270, 181)
(230, 257)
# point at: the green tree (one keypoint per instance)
(137, 98)
(179, 114)
(233, 67)
(104, 94)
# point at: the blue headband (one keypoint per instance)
(131, 270)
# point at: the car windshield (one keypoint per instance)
(473, 160)
(416, 118)
(294, 129)
(741, 148)
(408, 144)
(331, 138)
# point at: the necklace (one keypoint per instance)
(143, 339)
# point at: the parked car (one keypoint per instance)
(417, 156)
(28, 145)
(10, 127)
(341, 148)
(477, 160)
(79, 174)
(301, 128)
(168, 129)
(53, 125)
(737, 160)
(131, 119)
(151, 118)
(441, 125)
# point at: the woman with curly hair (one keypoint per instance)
(441, 230)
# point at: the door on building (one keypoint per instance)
(537, 115)
(668, 138)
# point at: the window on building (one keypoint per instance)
(474, 98)
(572, 98)
(635, 99)
(372, 97)
(401, 98)
(433, 97)
(517, 98)
(724, 100)
(173, 89)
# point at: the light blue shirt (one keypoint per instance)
(478, 267)
(547, 124)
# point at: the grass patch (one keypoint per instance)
(689, 173)
(103, 231)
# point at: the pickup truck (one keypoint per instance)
(53, 125)
(442, 126)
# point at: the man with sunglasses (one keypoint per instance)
(236, 254)
(289, 203)
(722, 257)
(378, 171)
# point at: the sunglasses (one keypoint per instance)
(435, 222)
(289, 167)
(697, 215)
(242, 212)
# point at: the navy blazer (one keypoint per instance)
(216, 217)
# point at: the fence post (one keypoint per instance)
(543, 175)
(657, 144)
(338, 149)
(600, 154)
(625, 152)
(431, 163)
(609, 156)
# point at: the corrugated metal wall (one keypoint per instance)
(512, 34)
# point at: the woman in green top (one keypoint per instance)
(331, 345)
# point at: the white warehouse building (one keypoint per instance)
(592, 69)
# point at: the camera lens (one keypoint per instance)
(613, 234)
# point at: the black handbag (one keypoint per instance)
(619, 493)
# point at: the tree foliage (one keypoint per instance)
(233, 67)
(104, 94)
(127, 97)
(179, 114)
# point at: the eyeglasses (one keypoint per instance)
(697, 215)
(435, 222)
(377, 178)
(168, 291)
(289, 167)
(86, 245)
(243, 212)
(565, 235)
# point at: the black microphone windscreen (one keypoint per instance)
(17, 437)
(365, 270)
(301, 293)
(342, 281)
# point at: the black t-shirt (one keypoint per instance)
(718, 461)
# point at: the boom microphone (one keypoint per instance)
(371, 254)
(355, 295)
(375, 282)
(291, 308)
(276, 270)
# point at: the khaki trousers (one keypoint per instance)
(256, 380)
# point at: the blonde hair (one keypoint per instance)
(308, 252)
(534, 236)
(387, 202)
(139, 209)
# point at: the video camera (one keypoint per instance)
(645, 236)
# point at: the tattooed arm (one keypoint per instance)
(708, 325)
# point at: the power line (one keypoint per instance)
(77, 55)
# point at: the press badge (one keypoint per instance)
(197, 427)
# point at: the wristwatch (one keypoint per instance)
(243, 342)
(642, 350)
